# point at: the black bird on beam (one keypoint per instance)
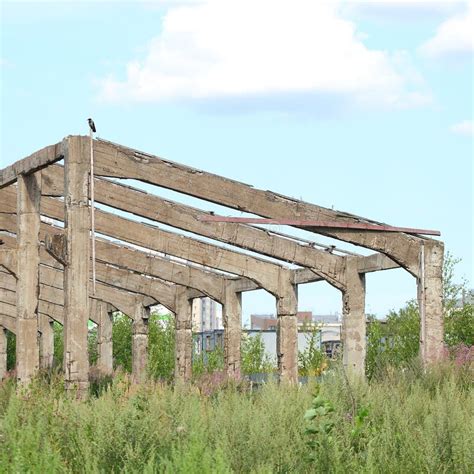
(91, 124)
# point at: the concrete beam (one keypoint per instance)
(143, 204)
(76, 272)
(232, 318)
(354, 321)
(187, 218)
(46, 342)
(104, 336)
(140, 342)
(30, 164)
(209, 283)
(114, 160)
(430, 301)
(109, 277)
(28, 208)
(8, 322)
(183, 337)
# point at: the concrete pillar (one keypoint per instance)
(232, 316)
(46, 342)
(354, 321)
(3, 352)
(287, 333)
(140, 342)
(76, 271)
(184, 337)
(104, 338)
(27, 292)
(430, 300)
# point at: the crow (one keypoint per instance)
(91, 124)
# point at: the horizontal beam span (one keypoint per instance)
(323, 224)
(112, 160)
(30, 164)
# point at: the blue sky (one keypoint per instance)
(364, 107)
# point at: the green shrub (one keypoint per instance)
(405, 421)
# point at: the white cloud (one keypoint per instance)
(453, 37)
(465, 128)
(267, 48)
(401, 10)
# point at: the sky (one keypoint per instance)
(365, 107)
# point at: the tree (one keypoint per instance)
(396, 341)
(122, 342)
(161, 343)
(254, 358)
(312, 361)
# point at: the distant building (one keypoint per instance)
(305, 318)
(206, 315)
(329, 340)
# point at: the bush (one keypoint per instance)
(406, 421)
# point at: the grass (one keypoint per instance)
(401, 422)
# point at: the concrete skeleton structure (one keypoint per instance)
(45, 233)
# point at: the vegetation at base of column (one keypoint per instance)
(395, 342)
(403, 421)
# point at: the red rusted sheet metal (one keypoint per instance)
(321, 224)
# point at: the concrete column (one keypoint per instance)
(287, 333)
(76, 271)
(184, 337)
(104, 338)
(3, 352)
(232, 316)
(430, 300)
(354, 321)
(140, 342)
(46, 342)
(27, 292)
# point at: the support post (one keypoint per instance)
(354, 321)
(46, 342)
(104, 338)
(140, 342)
(184, 337)
(76, 272)
(232, 316)
(287, 332)
(28, 260)
(3, 352)
(430, 300)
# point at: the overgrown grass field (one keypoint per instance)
(401, 422)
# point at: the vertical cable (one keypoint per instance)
(92, 211)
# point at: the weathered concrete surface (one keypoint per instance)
(46, 342)
(39, 159)
(100, 310)
(76, 272)
(210, 283)
(188, 218)
(28, 260)
(183, 337)
(287, 332)
(430, 300)
(115, 160)
(8, 259)
(232, 318)
(353, 320)
(8, 320)
(140, 342)
(3, 352)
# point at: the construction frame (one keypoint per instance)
(45, 255)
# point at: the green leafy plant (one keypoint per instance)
(312, 361)
(321, 424)
(254, 358)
